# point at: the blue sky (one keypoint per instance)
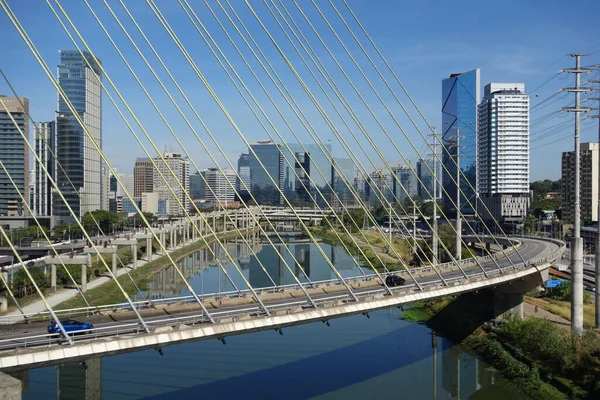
(424, 41)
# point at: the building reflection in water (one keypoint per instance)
(309, 261)
(76, 382)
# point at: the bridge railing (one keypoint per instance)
(443, 268)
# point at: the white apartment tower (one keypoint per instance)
(219, 186)
(503, 152)
(178, 184)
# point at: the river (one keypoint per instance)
(356, 357)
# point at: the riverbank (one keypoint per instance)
(374, 248)
(110, 293)
(539, 354)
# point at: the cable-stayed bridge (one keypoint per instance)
(326, 86)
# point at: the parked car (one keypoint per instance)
(394, 280)
(591, 288)
(70, 325)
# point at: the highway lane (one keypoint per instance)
(532, 249)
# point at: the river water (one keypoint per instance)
(381, 357)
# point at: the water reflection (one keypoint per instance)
(303, 258)
(382, 357)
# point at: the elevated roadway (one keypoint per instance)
(180, 319)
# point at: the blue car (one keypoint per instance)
(70, 325)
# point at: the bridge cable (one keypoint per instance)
(416, 107)
(255, 295)
(59, 164)
(30, 211)
(237, 129)
(35, 52)
(306, 125)
(235, 226)
(301, 81)
(278, 133)
(386, 107)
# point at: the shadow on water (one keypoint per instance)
(461, 317)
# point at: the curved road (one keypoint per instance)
(13, 336)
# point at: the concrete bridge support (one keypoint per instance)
(149, 248)
(10, 388)
(134, 255)
(114, 263)
(84, 268)
(508, 297)
(53, 276)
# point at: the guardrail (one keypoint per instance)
(135, 328)
(139, 305)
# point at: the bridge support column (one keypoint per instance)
(507, 304)
(488, 247)
(149, 248)
(10, 388)
(214, 222)
(53, 276)
(84, 268)
(5, 276)
(134, 255)
(114, 263)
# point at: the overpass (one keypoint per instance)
(176, 320)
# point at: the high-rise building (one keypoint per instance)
(173, 188)
(143, 177)
(79, 76)
(320, 160)
(342, 176)
(589, 190)
(14, 155)
(426, 179)
(243, 183)
(404, 184)
(503, 152)
(302, 174)
(197, 189)
(45, 148)
(267, 180)
(220, 186)
(127, 180)
(105, 187)
(460, 95)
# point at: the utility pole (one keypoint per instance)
(434, 227)
(597, 249)
(577, 241)
(458, 216)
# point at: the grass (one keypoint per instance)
(109, 293)
(422, 311)
(563, 309)
(368, 242)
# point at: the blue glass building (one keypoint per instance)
(80, 161)
(460, 95)
(266, 180)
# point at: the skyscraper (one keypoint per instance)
(45, 148)
(460, 95)
(220, 184)
(79, 76)
(14, 155)
(426, 179)
(180, 184)
(143, 177)
(243, 181)
(270, 155)
(320, 159)
(503, 152)
(342, 177)
(589, 182)
(197, 189)
(302, 174)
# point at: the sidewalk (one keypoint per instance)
(62, 295)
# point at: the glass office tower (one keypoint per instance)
(14, 155)
(264, 180)
(460, 94)
(74, 147)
